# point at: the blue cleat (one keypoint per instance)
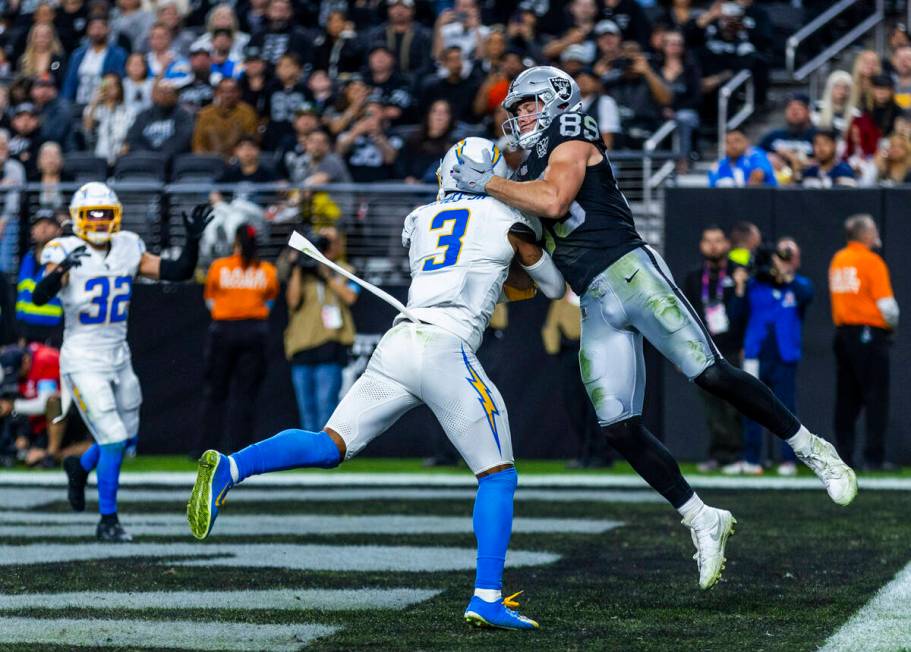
(213, 480)
(498, 614)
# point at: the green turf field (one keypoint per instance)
(798, 568)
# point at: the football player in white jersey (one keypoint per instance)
(93, 272)
(461, 248)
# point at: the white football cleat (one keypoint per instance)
(839, 479)
(710, 530)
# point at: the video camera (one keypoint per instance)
(306, 263)
(762, 266)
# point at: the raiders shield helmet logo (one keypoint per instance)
(561, 87)
(541, 148)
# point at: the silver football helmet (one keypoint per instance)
(553, 90)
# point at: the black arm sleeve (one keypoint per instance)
(48, 287)
(181, 268)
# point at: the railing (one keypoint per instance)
(744, 77)
(650, 181)
(821, 21)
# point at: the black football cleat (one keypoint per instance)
(112, 532)
(76, 479)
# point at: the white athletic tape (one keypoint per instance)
(298, 557)
(102, 633)
(280, 599)
(74, 525)
(882, 625)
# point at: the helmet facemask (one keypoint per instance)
(96, 224)
(540, 118)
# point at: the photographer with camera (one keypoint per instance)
(777, 298)
(240, 290)
(320, 329)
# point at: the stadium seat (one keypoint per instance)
(197, 167)
(141, 166)
(85, 166)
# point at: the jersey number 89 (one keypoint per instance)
(573, 124)
(107, 308)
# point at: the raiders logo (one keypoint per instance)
(541, 149)
(561, 87)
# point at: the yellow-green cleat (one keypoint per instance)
(213, 480)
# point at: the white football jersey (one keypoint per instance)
(96, 301)
(460, 256)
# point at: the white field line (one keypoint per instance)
(36, 525)
(279, 599)
(98, 634)
(339, 558)
(329, 479)
(881, 625)
(31, 497)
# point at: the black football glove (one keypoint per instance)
(195, 223)
(74, 258)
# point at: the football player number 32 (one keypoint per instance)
(452, 241)
(110, 300)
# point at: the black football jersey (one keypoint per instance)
(599, 227)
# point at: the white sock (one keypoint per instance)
(802, 440)
(489, 595)
(234, 472)
(691, 508)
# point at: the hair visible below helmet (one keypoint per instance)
(553, 90)
(96, 213)
(474, 148)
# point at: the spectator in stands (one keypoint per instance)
(43, 323)
(641, 96)
(338, 49)
(422, 151)
(410, 42)
(169, 15)
(71, 21)
(681, 75)
(89, 63)
(255, 80)
(453, 84)
(490, 55)
(26, 136)
(897, 38)
(321, 165)
(716, 289)
(164, 127)
(630, 18)
(459, 27)
(582, 16)
(220, 125)
(50, 174)
(759, 27)
(827, 171)
(280, 35)
(834, 110)
(163, 61)
(54, 112)
(726, 50)
(42, 13)
(137, 85)
(293, 149)
(248, 170)
(902, 76)
(862, 144)
(284, 96)
(866, 315)
(792, 143)
(893, 161)
(743, 165)
(198, 92)
(884, 110)
(599, 106)
(320, 330)
(240, 292)
(13, 174)
(575, 58)
(777, 298)
(107, 119)
(608, 44)
(389, 86)
(349, 106)
(522, 34)
(224, 64)
(866, 66)
(321, 88)
(130, 20)
(222, 19)
(252, 17)
(493, 90)
(369, 151)
(43, 54)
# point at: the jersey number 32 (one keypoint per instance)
(107, 306)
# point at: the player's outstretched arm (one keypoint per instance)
(55, 276)
(182, 267)
(539, 266)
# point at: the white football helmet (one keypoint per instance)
(553, 91)
(96, 213)
(475, 149)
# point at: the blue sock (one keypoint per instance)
(89, 459)
(108, 476)
(289, 449)
(493, 526)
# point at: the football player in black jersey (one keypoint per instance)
(627, 294)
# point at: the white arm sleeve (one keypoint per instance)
(888, 307)
(547, 277)
(32, 407)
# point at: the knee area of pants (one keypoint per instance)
(507, 478)
(331, 455)
(115, 447)
(714, 376)
(623, 430)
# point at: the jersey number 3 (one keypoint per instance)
(452, 240)
(107, 308)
